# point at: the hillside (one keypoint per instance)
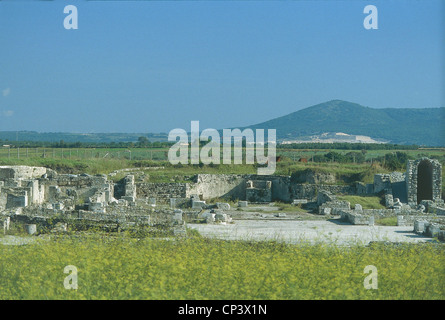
(395, 125)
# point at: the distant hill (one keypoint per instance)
(79, 137)
(394, 125)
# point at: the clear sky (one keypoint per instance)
(152, 66)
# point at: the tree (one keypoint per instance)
(143, 141)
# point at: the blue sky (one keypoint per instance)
(152, 66)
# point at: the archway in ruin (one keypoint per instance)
(424, 181)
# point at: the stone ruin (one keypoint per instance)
(31, 194)
(423, 181)
(413, 197)
(40, 196)
(259, 191)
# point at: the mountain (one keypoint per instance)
(394, 125)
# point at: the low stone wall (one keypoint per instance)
(334, 207)
(79, 181)
(121, 217)
(354, 217)
(405, 217)
(310, 191)
(229, 186)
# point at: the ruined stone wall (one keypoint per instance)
(405, 216)
(314, 177)
(412, 180)
(21, 172)
(258, 191)
(310, 191)
(81, 187)
(211, 186)
(162, 192)
(228, 186)
(381, 182)
(122, 216)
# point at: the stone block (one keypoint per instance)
(419, 226)
(122, 202)
(389, 200)
(280, 215)
(433, 230)
(198, 204)
(30, 228)
(325, 196)
(242, 204)
(358, 207)
(381, 182)
(97, 207)
(223, 206)
(222, 217)
(17, 199)
(177, 215)
(208, 216)
(6, 223)
(129, 198)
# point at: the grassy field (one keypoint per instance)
(100, 165)
(367, 202)
(161, 153)
(106, 160)
(197, 268)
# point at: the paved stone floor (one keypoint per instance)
(292, 231)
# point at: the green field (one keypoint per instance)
(161, 153)
(106, 160)
(197, 268)
(367, 202)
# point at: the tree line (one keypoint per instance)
(348, 146)
(142, 142)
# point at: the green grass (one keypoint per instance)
(198, 268)
(367, 202)
(388, 221)
(290, 208)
